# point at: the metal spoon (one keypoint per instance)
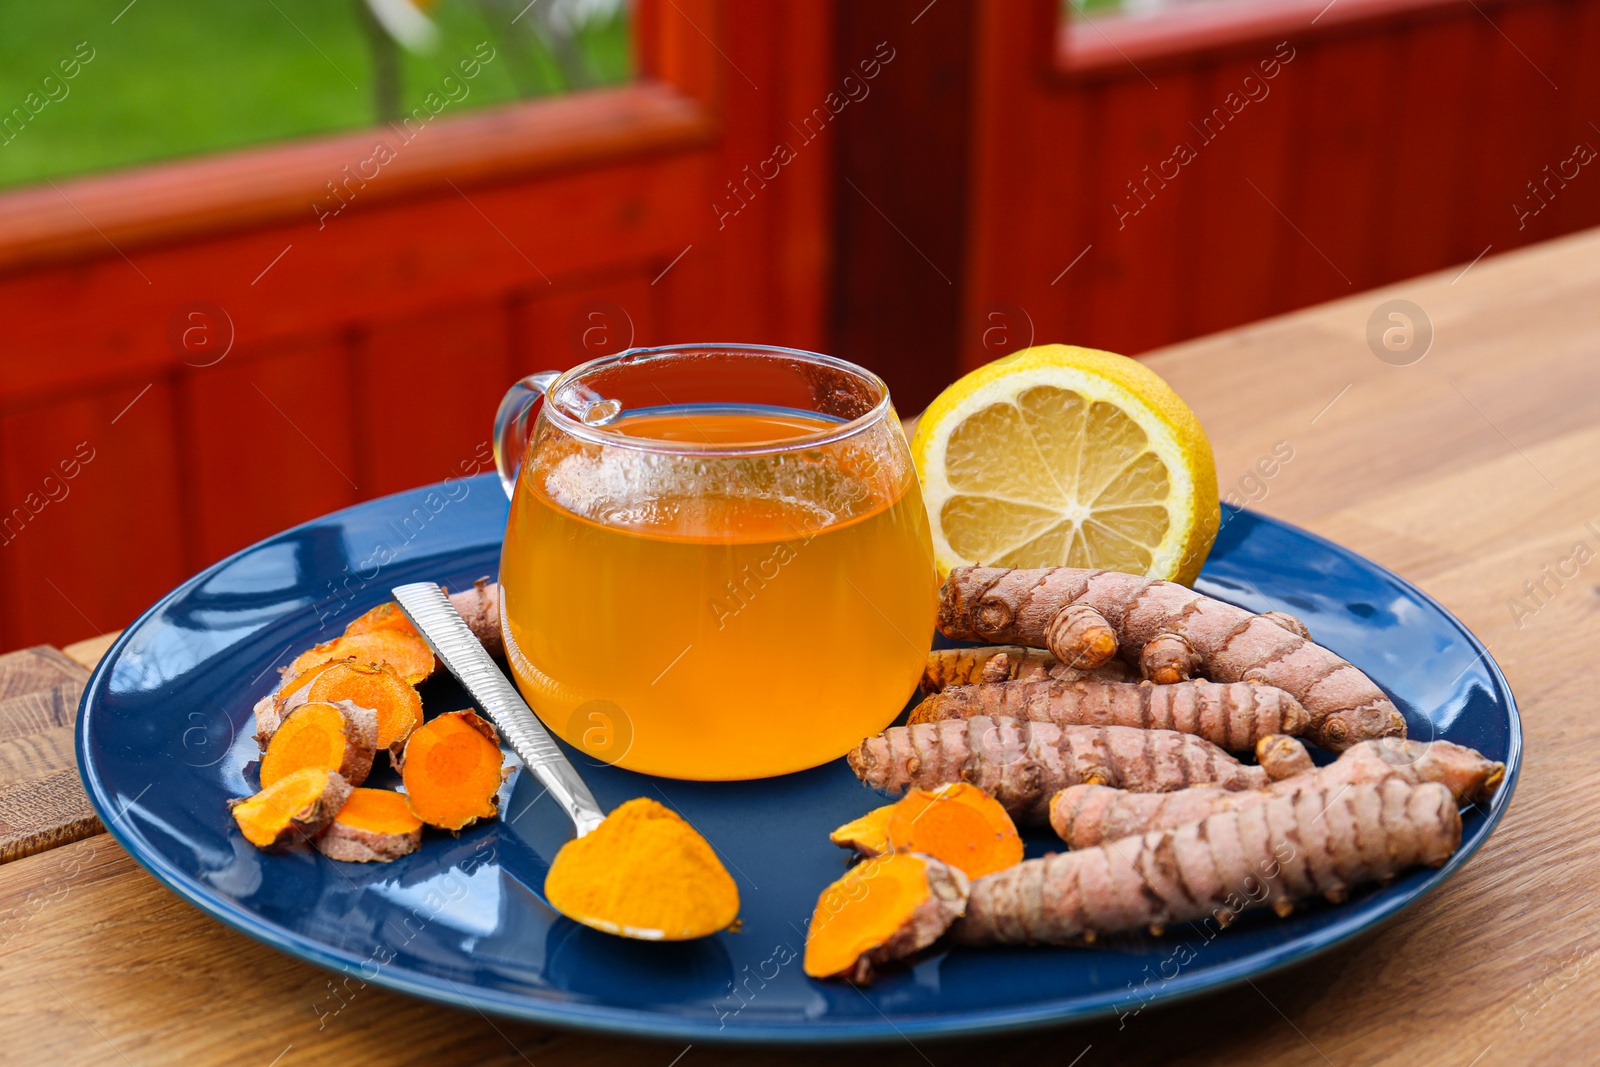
(437, 620)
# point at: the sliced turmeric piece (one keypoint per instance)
(289, 694)
(479, 606)
(408, 654)
(337, 737)
(396, 703)
(375, 825)
(644, 872)
(956, 823)
(881, 910)
(452, 770)
(293, 809)
(383, 617)
(868, 835)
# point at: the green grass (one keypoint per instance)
(175, 78)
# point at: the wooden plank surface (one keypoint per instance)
(1470, 472)
(42, 804)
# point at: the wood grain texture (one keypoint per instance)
(44, 812)
(29, 670)
(42, 803)
(1468, 472)
(87, 653)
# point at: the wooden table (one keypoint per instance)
(1472, 472)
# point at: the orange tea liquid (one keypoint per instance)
(735, 629)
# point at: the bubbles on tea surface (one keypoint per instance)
(602, 412)
(763, 497)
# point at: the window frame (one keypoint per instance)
(670, 106)
(1117, 45)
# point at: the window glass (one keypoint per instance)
(90, 85)
(1126, 7)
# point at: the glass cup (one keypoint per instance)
(717, 564)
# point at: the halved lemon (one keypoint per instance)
(1065, 456)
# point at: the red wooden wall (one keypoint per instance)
(985, 161)
(368, 352)
(1395, 142)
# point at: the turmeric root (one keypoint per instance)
(407, 653)
(1079, 636)
(1291, 847)
(1023, 764)
(1283, 757)
(1233, 716)
(452, 770)
(337, 737)
(644, 872)
(1289, 622)
(1168, 658)
(954, 823)
(479, 606)
(995, 604)
(374, 825)
(1009, 663)
(293, 809)
(884, 909)
(1085, 816)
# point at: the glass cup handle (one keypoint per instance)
(513, 423)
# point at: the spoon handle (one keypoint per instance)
(437, 620)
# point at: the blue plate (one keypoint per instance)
(164, 741)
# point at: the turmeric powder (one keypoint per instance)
(645, 873)
(1232, 645)
(1234, 716)
(884, 909)
(1289, 848)
(1022, 764)
(955, 823)
(1085, 816)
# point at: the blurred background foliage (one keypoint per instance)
(172, 78)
